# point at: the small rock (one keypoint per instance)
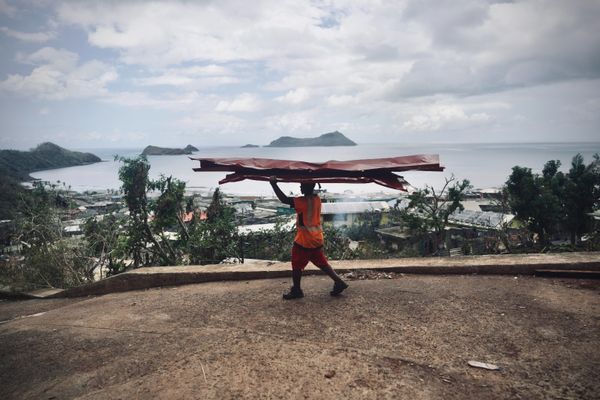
(329, 374)
(479, 364)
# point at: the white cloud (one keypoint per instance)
(213, 123)
(296, 96)
(245, 102)
(58, 75)
(7, 9)
(382, 68)
(291, 122)
(370, 50)
(343, 100)
(60, 59)
(169, 33)
(166, 101)
(438, 117)
(196, 77)
(114, 136)
(504, 45)
(33, 37)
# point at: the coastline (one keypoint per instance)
(486, 165)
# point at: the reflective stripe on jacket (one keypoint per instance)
(308, 221)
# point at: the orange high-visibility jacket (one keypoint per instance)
(308, 222)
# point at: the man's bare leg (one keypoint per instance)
(296, 278)
(339, 286)
(295, 291)
(328, 269)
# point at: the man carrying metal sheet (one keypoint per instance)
(308, 243)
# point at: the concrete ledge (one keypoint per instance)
(510, 264)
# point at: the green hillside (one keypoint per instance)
(168, 151)
(328, 139)
(19, 164)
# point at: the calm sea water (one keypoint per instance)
(485, 165)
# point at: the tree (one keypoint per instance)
(428, 210)
(536, 200)
(581, 196)
(105, 239)
(215, 239)
(272, 244)
(49, 259)
(11, 192)
(555, 202)
(135, 185)
(170, 205)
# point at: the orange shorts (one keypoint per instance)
(301, 256)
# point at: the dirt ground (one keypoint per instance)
(406, 337)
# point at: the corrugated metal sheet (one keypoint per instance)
(379, 170)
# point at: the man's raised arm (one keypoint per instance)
(280, 195)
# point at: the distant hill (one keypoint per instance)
(328, 139)
(19, 164)
(167, 151)
(249, 146)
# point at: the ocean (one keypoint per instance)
(484, 165)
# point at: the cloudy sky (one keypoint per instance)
(88, 74)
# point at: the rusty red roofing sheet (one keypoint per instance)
(378, 170)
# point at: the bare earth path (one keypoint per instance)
(409, 337)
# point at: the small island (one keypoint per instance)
(328, 139)
(249, 146)
(19, 164)
(166, 151)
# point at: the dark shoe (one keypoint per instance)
(338, 288)
(293, 294)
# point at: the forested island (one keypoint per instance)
(167, 151)
(16, 165)
(328, 139)
(19, 164)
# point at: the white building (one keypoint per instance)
(348, 212)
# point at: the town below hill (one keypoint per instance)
(328, 139)
(168, 151)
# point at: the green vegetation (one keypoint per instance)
(555, 203)
(107, 243)
(215, 239)
(328, 139)
(203, 242)
(49, 258)
(166, 151)
(18, 164)
(429, 210)
(551, 205)
(11, 193)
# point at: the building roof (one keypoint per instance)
(480, 219)
(353, 207)
(397, 232)
(246, 229)
(595, 215)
